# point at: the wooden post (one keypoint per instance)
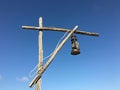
(40, 53)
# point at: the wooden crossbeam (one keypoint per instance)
(61, 30)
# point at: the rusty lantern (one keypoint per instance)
(75, 46)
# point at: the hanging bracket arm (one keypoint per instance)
(61, 30)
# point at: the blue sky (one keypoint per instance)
(96, 68)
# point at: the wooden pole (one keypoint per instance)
(40, 53)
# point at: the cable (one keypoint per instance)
(30, 73)
(56, 46)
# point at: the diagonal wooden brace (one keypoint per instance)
(41, 71)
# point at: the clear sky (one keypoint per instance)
(96, 68)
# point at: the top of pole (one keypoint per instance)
(40, 22)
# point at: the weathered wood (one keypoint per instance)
(40, 53)
(61, 30)
(38, 76)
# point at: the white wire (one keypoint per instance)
(30, 73)
(56, 46)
